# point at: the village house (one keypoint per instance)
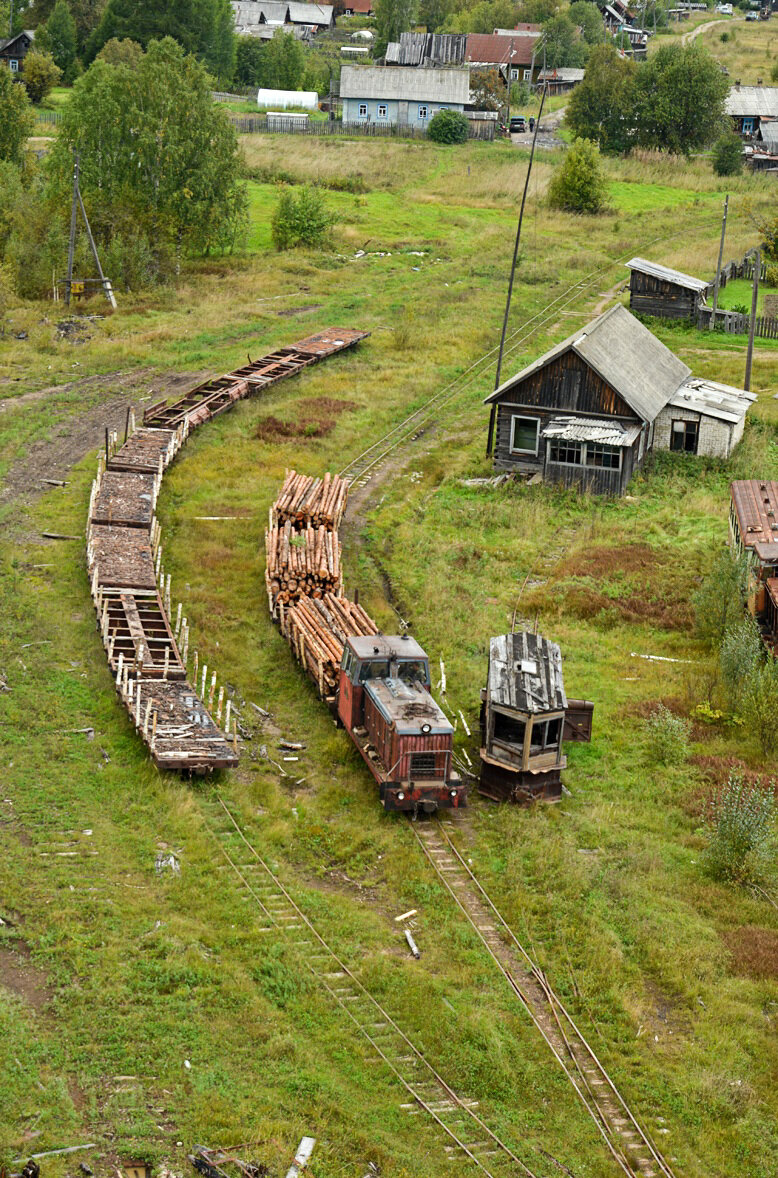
(588, 412)
(393, 95)
(526, 30)
(359, 8)
(13, 50)
(658, 290)
(753, 110)
(513, 55)
(559, 81)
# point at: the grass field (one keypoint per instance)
(749, 52)
(115, 974)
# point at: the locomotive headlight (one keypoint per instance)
(426, 728)
(453, 793)
(401, 796)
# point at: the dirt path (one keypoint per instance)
(687, 37)
(83, 429)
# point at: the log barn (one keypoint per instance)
(583, 414)
(588, 412)
(525, 717)
(658, 290)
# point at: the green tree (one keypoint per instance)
(484, 17)
(192, 23)
(87, 14)
(248, 61)
(220, 56)
(155, 150)
(283, 62)
(741, 654)
(59, 37)
(448, 126)
(301, 218)
(586, 16)
(433, 14)
(679, 99)
(16, 118)
(40, 74)
(392, 17)
(578, 185)
(728, 154)
(718, 603)
(487, 89)
(121, 52)
(562, 45)
(600, 107)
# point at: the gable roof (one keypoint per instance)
(626, 355)
(8, 42)
(688, 281)
(488, 49)
(419, 85)
(256, 12)
(310, 14)
(752, 100)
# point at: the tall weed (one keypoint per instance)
(740, 821)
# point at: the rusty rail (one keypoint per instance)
(186, 725)
(627, 1141)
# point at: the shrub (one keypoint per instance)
(718, 603)
(728, 155)
(760, 705)
(740, 822)
(741, 655)
(17, 119)
(448, 126)
(578, 185)
(40, 75)
(669, 735)
(301, 219)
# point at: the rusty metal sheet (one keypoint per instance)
(331, 340)
(756, 508)
(122, 557)
(125, 497)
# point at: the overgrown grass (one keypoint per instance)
(606, 889)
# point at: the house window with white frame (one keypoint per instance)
(528, 75)
(382, 110)
(524, 435)
(13, 65)
(514, 74)
(422, 114)
(363, 110)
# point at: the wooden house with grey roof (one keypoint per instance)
(668, 294)
(525, 717)
(588, 412)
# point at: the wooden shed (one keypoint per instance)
(525, 717)
(583, 413)
(658, 290)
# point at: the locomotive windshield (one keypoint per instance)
(411, 670)
(373, 669)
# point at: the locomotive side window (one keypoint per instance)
(348, 662)
(508, 730)
(373, 669)
(412, 669)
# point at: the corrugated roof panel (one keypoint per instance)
(424, 85)
(688, 281)
(752, 100)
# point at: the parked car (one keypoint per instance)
(518, 125)
(752, 16)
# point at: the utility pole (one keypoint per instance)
(72, 239)
(104, 282)
(752, 324)
(493, 412)
(718, 268)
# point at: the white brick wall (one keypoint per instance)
(717, 438)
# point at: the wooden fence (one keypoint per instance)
(48, 116)
(257, 124)
(735, 322)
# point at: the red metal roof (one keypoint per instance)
(756, 506)
(491, 49)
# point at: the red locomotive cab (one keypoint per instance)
(407, 742)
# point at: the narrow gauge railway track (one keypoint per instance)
(361, 468)
(628, 1142)
(466, 1136)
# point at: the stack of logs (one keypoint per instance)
(304, 500)
(316, 629)
(304, 577)
(302, 562)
